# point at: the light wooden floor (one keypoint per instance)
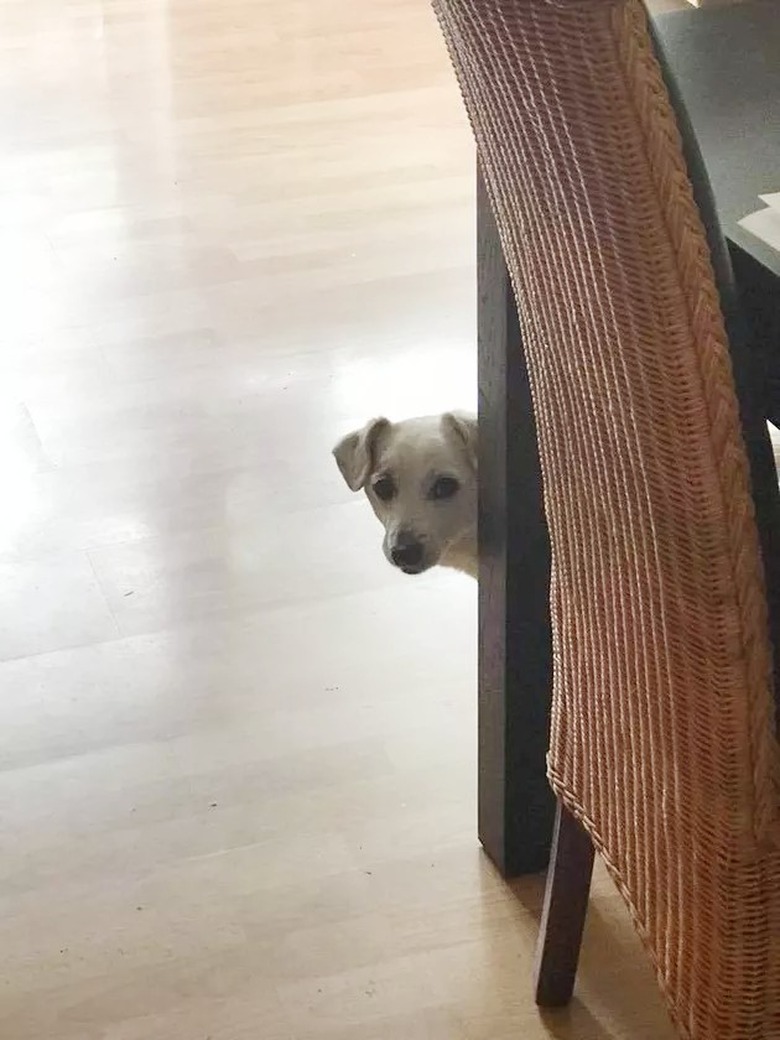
(237, 774)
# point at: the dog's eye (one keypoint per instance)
(445, 487)
(384, 489)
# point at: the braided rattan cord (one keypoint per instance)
(662, 736)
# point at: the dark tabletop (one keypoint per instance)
(727, 65)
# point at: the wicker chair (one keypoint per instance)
(663, 751)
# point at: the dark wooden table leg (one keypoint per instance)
(516, 805)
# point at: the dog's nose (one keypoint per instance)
(407, 554)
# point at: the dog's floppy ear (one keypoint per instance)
(463, 427)
(354, 453)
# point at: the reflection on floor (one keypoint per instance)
(238, 757)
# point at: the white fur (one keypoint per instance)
(413, 455)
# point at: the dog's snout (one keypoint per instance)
(407, 553)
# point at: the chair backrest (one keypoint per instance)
(662, 736)
(658, 598)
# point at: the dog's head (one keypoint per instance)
(420, 476)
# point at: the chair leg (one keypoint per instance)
(563, 916)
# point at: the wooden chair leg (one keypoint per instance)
(563, 916)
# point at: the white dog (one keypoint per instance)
(420, 476)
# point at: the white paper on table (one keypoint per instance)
(764, 224)
(773, 199)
